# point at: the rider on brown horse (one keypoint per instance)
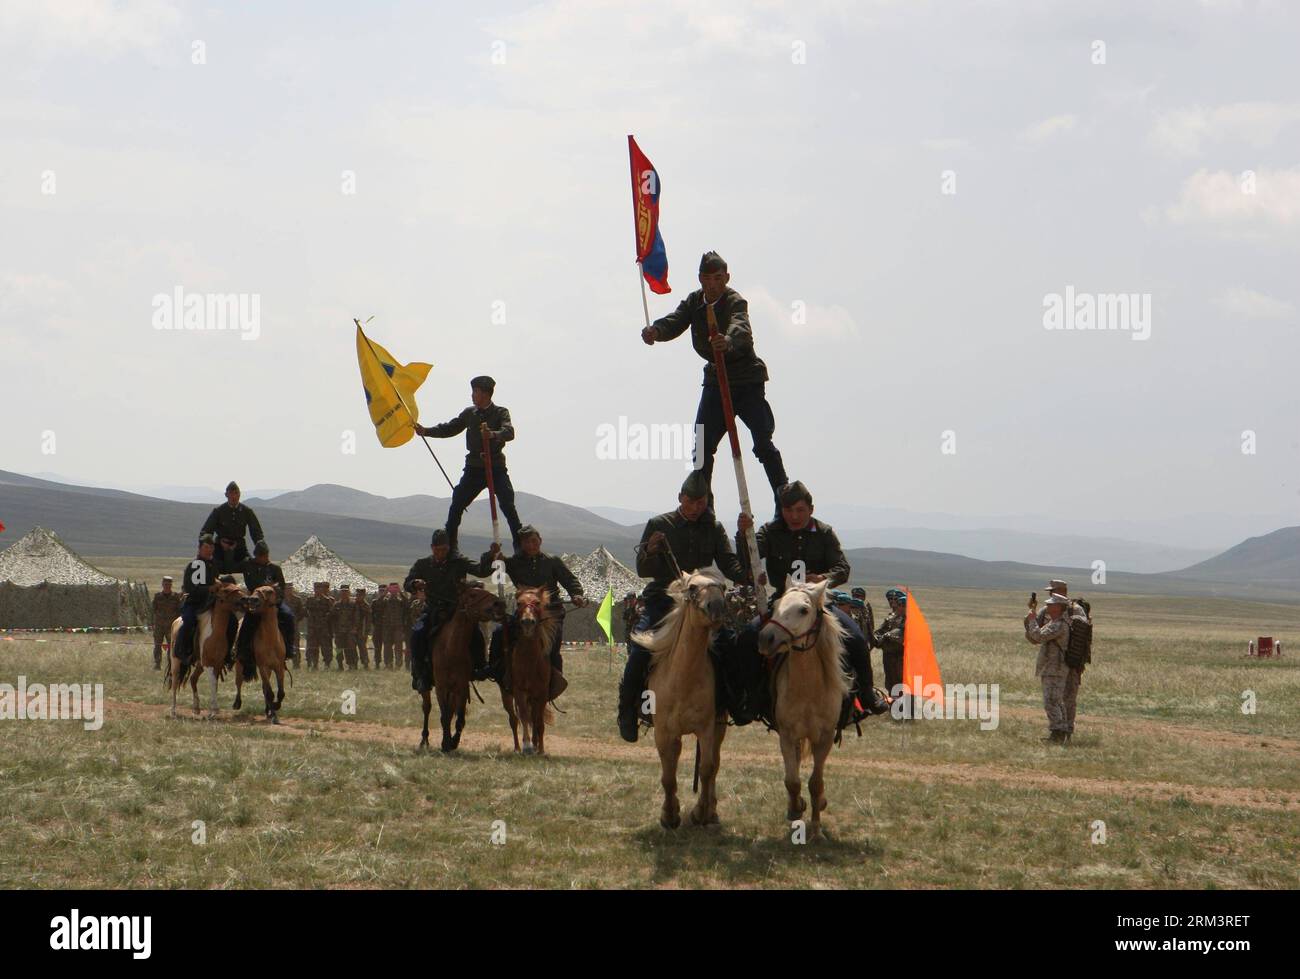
(686, 539)
(441, 572)
(200, 575)
(260, 570)
(530, 567)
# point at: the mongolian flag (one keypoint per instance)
(390, 391)
(650, 253)
(920, 667)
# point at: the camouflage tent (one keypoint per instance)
(315, 562)
(599, 571)
(44, 585)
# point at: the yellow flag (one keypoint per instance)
(605, 615)
(390, 391)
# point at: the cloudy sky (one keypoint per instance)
(1107, 148)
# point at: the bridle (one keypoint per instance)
(811, 635)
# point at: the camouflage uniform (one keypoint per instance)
(1051, 638)
(631, 612)
(345, 623)
(166, 606)
(363, 628)
(320, 642)
(889, 637)
(413, 611)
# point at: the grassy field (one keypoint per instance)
(1192, 792)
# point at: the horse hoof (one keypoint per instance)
(422, 747)
(275, 719)
(697, 819)
(529, 749)
(670, 822)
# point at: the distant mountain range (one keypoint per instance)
(372, 529)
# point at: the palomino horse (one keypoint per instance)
(529, 646)
(210, 641)
(451, 661)
(260, 613)
(810, 686)
(681, 694)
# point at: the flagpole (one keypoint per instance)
(720, 366)
(410, 414)
(645, 303)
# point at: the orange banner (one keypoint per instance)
(920, 667)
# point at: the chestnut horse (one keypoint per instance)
(528, 653)
(261, 613)
(810, 687)
(211, 641)
(681, 694)
(452, 665)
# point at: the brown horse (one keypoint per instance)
(810, 686)
(681, 689)
(260, 613)
(210, 645)
(529, 656)
(452, 665)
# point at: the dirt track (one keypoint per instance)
(562, 747)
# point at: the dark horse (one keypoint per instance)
(452, 664)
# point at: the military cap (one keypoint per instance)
(791, 493)
(418, 584)
(695, 486)
(1055, 599)
(1057, 586)
(261, 547)
(841, 597)
(711, 261)
(527, 530)
(896, 595)
(347, 588)
(208, 538)
(859, 593)
(484, 382)
(320, 584)
(232, 486)
(439, 537)
(168, 577)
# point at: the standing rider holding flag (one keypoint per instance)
(746, 373)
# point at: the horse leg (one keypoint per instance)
(267, 695)
(507, 701)
(427, 703)
(710, 759)
(460, 721)
(790, 751)
(523, 707)
(444, 718)
(196, 671)
(176, 672)
(239, 686)
(539, 725)
(670, 749)
(212, 685)
(279, 686)
(817, 783)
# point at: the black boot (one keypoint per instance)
(629, 700)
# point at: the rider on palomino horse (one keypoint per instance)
(441, 572)
(259, 570)
(796, 536)
(530, 567)
(200, 575)
(694, 538)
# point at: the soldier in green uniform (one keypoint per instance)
(345, 621)
(363, 629)
(889, 637)
(746, 374)
(1052, 638)
(442, 572)
(166, 606)
(685, 539)
(230, 523)
(414, 611)
(320, 638)
(798, 545)
(482, 416)
(294, 602)
(530, 567)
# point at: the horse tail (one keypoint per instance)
(289, 673)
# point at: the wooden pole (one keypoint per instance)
(492, 500)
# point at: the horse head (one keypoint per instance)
(530, 608)
(262, 598)
(479, 604)
(703, 595)
(227, 596)
(796, 619)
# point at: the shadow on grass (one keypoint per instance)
(717, 853)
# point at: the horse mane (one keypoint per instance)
(661, 640)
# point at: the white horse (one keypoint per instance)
(810, 686)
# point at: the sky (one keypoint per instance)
(899, 190)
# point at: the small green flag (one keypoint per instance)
(605, 615)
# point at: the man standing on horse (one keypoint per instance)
(483, 416)
(230, 523)
(530, 567)
(686, 539)
(441, 573)
(258, 571)
(200, 575)
(798, 544)
(746, 374)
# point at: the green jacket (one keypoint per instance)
(732, 313)
(779, 547)
(499, 427)
(694, 543)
